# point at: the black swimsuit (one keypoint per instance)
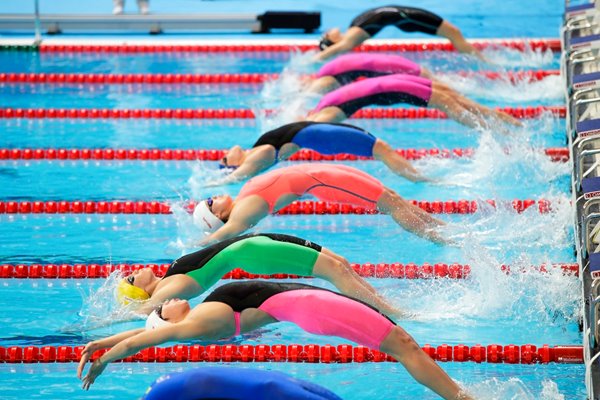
(251, 294)
(407, 19)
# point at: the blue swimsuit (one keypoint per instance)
(325, 138)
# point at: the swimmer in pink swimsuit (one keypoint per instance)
(348, 68)
(267, 193)
(340, 104)
(242, 307)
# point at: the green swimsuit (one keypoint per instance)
(263, 253)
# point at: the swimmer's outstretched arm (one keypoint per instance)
(128, 343)
(353, 37)
(229, 230)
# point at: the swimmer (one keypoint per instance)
(407, 19)
(402, 88)
(234, 383)
(268, 193)
(262, 253)
(281, 143)
(242, 307)
(348, 68)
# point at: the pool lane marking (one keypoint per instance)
(246, 113)
(368, 270)
(558, 154)
(298, 207)
(311, 353)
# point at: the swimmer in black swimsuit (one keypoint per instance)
(407, 19)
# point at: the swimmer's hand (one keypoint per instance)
(95, 370)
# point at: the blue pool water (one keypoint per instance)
(488, 308)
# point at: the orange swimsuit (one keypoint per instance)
(327, 182)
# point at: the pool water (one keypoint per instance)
(488, 308)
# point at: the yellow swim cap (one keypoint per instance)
(127, 293)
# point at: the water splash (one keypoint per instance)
(287, 95)
(100, 307)
(203, 176)
(547, 90)
(494, 237)
(530, 58)
(513, 389)
(498, 159)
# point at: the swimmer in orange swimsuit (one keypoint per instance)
(268, 193)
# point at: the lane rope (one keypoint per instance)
(367, 270)
(425, 46)
(554, 153)
(298, 353)
(305, 207)
(246, 113)
(80, 78)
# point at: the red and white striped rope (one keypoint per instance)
(309, 353)
(306, 207)
(555, 154)
(367, 270)
(248, 78)
(245, 113)
(521, 45)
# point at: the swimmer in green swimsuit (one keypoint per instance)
(263, 253)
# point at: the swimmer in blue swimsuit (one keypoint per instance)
(407, 19)
(234, 383)
(325, 138)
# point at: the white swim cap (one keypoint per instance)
(205, 219)
(154, 321)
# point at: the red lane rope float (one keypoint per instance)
(242, 113)
(306, 207)
(518, 76)
(555, 154)
(368, 270)
(308, 353)
(521, 45)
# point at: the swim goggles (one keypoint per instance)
(325, 42)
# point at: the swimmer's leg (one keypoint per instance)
(486, 111)
(455, 36)
(349, 283)
(346, 264)
(473, 106)
(328, 114)
(410, 217)
(324, 84)
(400, 345)
(425, 73)
(443, 101)
(394, 161)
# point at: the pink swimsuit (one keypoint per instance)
(313, 309)
(383, 90)
(348, 67)
(327, 182)
(337, 315)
